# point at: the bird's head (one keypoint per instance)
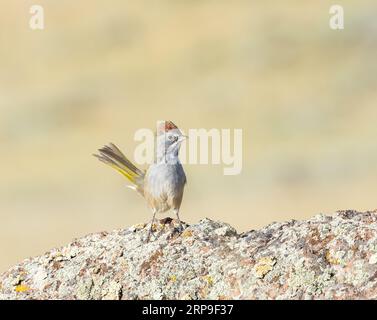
(169, 139)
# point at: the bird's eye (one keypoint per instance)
(172, 138)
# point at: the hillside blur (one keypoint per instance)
(304, 95)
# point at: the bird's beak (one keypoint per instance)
(182, 138)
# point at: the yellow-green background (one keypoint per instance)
(304, 95)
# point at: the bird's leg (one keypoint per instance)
(176, 211)
(151, 228)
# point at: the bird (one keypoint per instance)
(162, 183)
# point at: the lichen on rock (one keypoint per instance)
(326, 257)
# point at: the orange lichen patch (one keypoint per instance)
(187, 233)
(330, 259)
(264, 266)
(208, 279)
(139, 226)
(22, 288)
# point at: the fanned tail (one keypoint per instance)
(113, 157)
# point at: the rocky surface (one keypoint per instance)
(326, 257)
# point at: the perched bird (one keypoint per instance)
(163, 182)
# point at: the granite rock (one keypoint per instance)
(326, 257)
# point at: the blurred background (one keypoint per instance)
(304, 95)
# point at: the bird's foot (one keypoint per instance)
(151, 232)
(148, 238)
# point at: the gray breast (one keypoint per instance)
(163, 185)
